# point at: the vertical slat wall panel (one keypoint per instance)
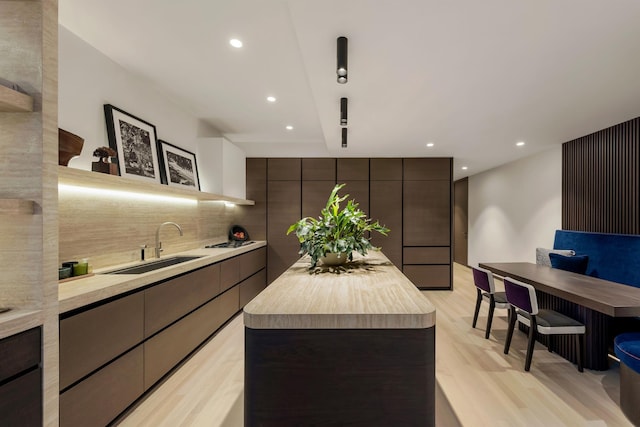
(601, 181)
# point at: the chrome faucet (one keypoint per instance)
(158, 242)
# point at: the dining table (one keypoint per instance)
(601, 305)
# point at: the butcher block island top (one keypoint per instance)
(375, 295)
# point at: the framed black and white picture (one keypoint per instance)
(179, 167)
(135, 142)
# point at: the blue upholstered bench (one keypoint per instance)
(613, 257)
(627, 349)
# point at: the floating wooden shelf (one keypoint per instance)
(14, 101)
(84, 178)
(16, 207)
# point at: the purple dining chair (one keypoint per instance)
(524, 308)
(485, 287)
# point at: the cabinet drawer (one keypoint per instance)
(426, 255)
(252, 262)
(165, 350)
(21, 400)
(229, 273)
(252, 287)
(169, 301)
(429, 276)
(92, 338)
(19, 352)
(100, 398)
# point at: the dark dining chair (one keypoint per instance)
(485, 287)
(524, 308)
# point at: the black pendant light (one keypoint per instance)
(341, 69)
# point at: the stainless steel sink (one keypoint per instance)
(153, 265)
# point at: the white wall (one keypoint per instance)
(234, 177)
(515, 208)
(88, 79)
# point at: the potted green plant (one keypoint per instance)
(337, 232)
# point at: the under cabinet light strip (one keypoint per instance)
(122, 195)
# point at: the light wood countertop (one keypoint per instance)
(19, 320)
(375, 296)
(81, 292)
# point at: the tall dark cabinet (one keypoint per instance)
(318, 179)
(283, 209)
(385, 193)
(412, 197)
(355, 174)
(427, 222)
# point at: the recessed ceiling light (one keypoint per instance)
(520, 144)
(289, 127)
(464, 168)
(429, 144)
(271, 98)
(235, 43)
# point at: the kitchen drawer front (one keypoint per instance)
(19, 352)
(229, 273)
(252, 262)
(169, 301)
(427, 255)
(166, 349)
(252, 286)
(100, 398)
(21, 400)
(429, 276)
(92, 338)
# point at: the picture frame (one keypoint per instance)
(136, 143)
(178, 166)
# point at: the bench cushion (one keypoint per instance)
(627, 349)
(575, 264)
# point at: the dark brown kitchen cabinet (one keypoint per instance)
(229, 273)
(93, 337)
(429, 276)
(169, 301)
(385, 169)
(319, 169)
(284, 169)
(318, 179)
(427, 222)
(411, 196)
(352, 169)
(427, 213)
(164, 350)
(283, 209)
(252, 286)
(98, 399)
(386, 207)
(111, 353)
(314, 197)
(358, 191)
(21, 379)
(252, 262)
(427, 169)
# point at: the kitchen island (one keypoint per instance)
(356, 348)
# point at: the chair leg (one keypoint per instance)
(549, 342)
(475, 315)
(580, 350)
(512, 323)
(532, 342)
(492, 306)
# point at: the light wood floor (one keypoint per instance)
(478, 385)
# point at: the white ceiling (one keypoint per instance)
(473, 77)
